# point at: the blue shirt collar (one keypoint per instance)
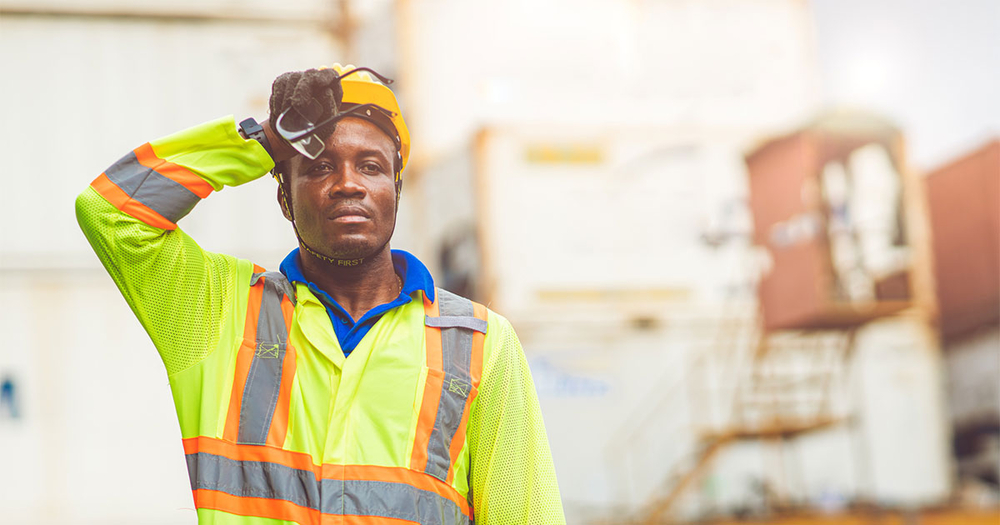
(415, 275)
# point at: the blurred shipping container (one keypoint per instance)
(624, 257)
(736, 65)
(308, 11)
(828, 206)
(964, 207)
(93, 404)
(619, 242)
(125, 80)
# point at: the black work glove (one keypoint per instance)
(315, 93)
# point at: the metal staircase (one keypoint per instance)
(786, 385)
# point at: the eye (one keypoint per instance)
(371, 168)
(320, 168)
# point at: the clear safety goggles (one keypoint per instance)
(300, 131)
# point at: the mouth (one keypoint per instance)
(349, 214)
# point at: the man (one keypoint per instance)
(344, 388)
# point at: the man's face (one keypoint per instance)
(344, 201)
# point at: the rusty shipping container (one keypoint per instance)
(827, 205)
(964, 206)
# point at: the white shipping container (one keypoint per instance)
(95, 439)
(626, 408)
(291, 10)
(721, 64)
(973, 364)
(651, 213)
(622, 256)
(91, 89)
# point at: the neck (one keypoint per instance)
(356, 288)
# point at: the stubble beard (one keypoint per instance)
(354, 248)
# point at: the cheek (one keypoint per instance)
(302, 194)
(387, 197)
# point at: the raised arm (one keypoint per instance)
(180, 293)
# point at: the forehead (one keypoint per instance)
(356, 134)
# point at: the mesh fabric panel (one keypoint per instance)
(179, 292)
(512, 476)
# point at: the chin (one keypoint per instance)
(352, 248)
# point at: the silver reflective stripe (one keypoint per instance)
(456, 354)
(454, 321)
(391, 500)
(279, 279)
(259, 479)
(253, 479)
(260, 394)
(159, 193)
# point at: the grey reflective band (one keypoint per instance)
(389, 500)
(260, 393)
(279, 279)
(455, 321)
(456, 358)
(157, 192)
(261, 479)
(253, 479)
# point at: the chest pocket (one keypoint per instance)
(455, 330)
(265, 365)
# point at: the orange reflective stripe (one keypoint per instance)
(243, 359)
(179, 174)
(211, 460)
(428, 414)
(279, 422)
(261, 507)
(140, 180)
(121, 200)
(288, 458)
(432, 390)
(253, 313)
(475, 372)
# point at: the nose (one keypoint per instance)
(348, 183)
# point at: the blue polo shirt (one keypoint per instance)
(415, 277)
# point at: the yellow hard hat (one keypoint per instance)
(361, 88)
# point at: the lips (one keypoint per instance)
(349, 213)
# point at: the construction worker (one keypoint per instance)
(344, 388)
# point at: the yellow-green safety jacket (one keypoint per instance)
(432, 419)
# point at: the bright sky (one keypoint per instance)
(933, 66)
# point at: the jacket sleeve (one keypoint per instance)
(512, 476)
(180, 293)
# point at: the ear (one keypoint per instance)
(399, 191)
(282, 198)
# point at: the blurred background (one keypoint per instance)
(750, 246)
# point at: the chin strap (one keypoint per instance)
(316, 254)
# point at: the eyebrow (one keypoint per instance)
(328, 153)
(377, 153)
(374, 153)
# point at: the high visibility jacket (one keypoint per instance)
(432, 419)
